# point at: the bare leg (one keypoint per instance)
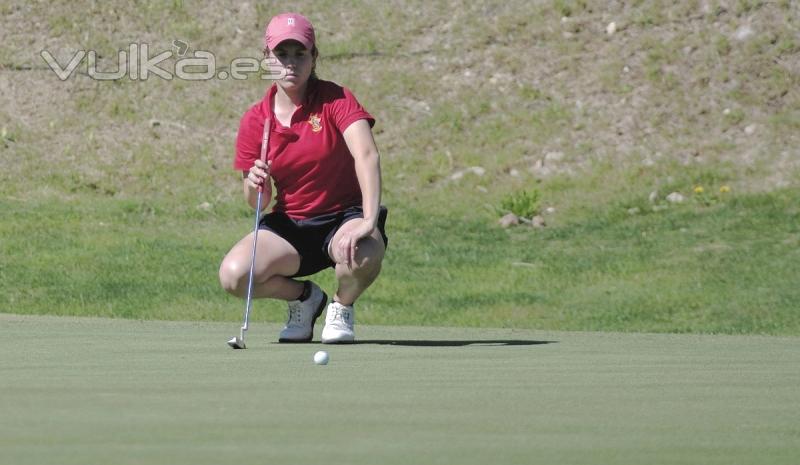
(275, 259)
(355, 279)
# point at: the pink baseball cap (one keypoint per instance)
(288, 26)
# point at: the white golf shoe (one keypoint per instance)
(303, 315)
(339, 321)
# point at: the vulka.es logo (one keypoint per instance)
(136, 64)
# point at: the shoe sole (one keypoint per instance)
(310, 338)
(339, 341)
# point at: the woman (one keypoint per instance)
(325, 166)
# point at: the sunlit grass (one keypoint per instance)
(123, 201)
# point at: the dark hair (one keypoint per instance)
(314, 54)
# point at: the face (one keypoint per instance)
(296, 60)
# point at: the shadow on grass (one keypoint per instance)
(454, 343)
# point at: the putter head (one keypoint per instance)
(237, 343)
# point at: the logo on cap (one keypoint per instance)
(290, 21)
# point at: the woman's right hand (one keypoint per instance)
(259, 174)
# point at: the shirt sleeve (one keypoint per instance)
(248, 141)
(347, 111)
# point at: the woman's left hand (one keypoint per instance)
(347, 245)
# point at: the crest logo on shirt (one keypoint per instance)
(316, 122)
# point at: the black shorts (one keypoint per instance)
(310, 237)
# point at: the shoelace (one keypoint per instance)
(295, 316)
(341, 315)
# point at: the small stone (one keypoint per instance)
(538, 222)
(478, 170)
(743, 33)
(514, 172)
(550, 210)
(205, 206)
(626, 69)
(509, 220)
(420, 106)
(726, 111)
(675, 197)
(633, 211)
(611, 28)
(482, 189)
(653, 197)
(750, 129)
(553, 156)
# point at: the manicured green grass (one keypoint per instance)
(99, 391)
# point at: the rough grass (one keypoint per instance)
(725, 267)
(118, 198)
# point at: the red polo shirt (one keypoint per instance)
(312, 168)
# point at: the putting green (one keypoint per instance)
(97, 391)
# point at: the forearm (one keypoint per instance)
(368, 172)
(358, 137)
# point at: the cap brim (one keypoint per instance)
(275, 41)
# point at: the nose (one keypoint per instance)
(290, 61)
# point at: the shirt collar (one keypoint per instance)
(312, 89)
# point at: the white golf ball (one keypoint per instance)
(321, 358)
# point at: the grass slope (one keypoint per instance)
(117, 198)
(97, 391)
(728, 267)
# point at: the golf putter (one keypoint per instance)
(238, 342)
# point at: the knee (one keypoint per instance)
(233, 277)
(368, 259)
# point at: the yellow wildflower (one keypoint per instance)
(724, 189)
(698, 190)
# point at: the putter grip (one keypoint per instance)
(265, 144)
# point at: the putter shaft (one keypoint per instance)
(238, 343)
